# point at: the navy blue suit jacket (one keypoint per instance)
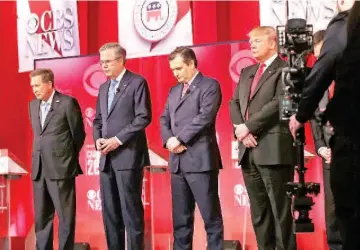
(129, 115)
(192, 120)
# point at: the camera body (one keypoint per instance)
(295, 42)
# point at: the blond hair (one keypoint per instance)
(268, 31)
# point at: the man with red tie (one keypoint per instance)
(266, 151)
(188, 132)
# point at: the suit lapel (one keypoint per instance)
(36, 112)
(268, 72)
(122, 86)
(191, 90)
(54, 105)
(245, 90)
(104, 97)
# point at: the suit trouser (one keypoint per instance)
(332, 225)
(122, 208)
(345, 185)
(50, 196)
(270, 206)
(202, 188)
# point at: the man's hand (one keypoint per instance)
(241, 131)
(249, 141)
(172, 143)
(109, 145)
(294, 125)
(325, 153)
(179, 149)
(99, 142)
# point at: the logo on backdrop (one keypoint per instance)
(92, 79)
(46, 29)
(241, 198)
(154, 19)
(240, 60)
(89, 117)
(92, 158)
(94, 199)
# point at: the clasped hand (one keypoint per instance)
(244, 136)
(107, 145)
(175, 146)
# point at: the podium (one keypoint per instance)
(10, 170)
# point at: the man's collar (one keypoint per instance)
(269, 61)
(49, 101)
(118, 79)
(192, 79)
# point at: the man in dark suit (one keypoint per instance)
(266, 151)
(188, 132)
(330, 67)
(123, 111)
(322, 134)
(59, 135)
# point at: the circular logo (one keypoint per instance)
(154, 19)
(93, 78)
(91, 194)
(240, 60)
(32, 23)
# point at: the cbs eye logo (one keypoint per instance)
(240, 60)
(93, 78)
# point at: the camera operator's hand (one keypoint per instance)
(294, 125)
(249, 141)
(241, 131)
(325, 153)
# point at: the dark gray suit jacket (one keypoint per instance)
(273, 137)
(192, 120)
(58, 144)
(129, 115)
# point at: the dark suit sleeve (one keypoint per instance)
(323, 72)
(97, 123)
(269, 114)
(142, 113)
(207, 114)
(76, 124)
(165, 125)
(235, 109)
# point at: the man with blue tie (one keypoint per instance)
(59, 135)
(188, 132)
(123, 111)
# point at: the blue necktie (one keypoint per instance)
(44, 111)
(112, 92)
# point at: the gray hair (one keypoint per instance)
(119, 50)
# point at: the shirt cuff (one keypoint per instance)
(117, 139)
(320, 149)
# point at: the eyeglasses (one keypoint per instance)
(108, 61)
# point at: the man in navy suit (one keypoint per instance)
(188, 132)
(123, 111)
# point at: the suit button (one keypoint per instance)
(176, 125)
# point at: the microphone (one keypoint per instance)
(187, 91)
(117, 90)
(252, 75)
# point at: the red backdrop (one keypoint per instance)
(212, 22)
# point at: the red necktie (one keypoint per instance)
(331, 90)
(185, 89)
(254, 83)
